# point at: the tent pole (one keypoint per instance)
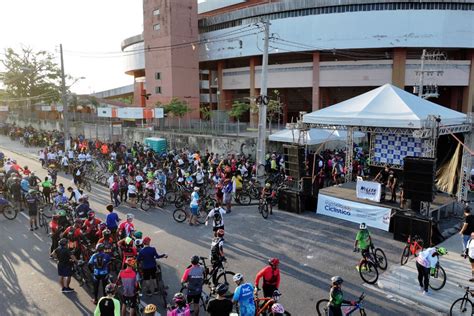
(350, 153)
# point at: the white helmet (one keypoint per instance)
(237, 277)
(138, 242)
(130, 216)
(362, 226)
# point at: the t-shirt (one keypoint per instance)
(217, 216)
(470, 225)
(64, 256)
(107, 306)
(129, 280)
(148, 256)
(194, 199)
(363, 237)
(244, 296)
(217, 307)
(112, 220)
(100, 263)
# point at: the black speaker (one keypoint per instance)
(408, 223)
(295, 161)
(418, 178)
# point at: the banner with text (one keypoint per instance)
(373, 216)
(368, 190)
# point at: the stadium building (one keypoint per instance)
(209, 52)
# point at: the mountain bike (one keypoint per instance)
(180, 214)
(242, 198)
(150, 202)
(373, 260)
(263, 208)
(7, 208)
(463, 305)
(263, 305)
(413, 247)
(43, 221)
(438, 280)
(322, 307)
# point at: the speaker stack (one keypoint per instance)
(294, 161)
(419, 176)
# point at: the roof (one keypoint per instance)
(314, 136)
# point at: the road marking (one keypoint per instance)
(24, 215)
(34, 233)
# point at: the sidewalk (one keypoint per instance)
(401, 281)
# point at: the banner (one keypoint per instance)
(373, 216)
(391, 149)
(46, 108)
(159, 113)
(130, 113)
(368, 190)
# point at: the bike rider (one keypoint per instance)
(147, 257)
(126, 228)
(336, 297)
(217, 251)
(73, 235)
(108, 305)
(217, 216)
(244, 296)
(363, 241)
(194, 277)
(65, 265)
(82, 209)
(128, 249)
(128, 279)
(179, 308)
(107, 241)
(278, 310)
(194, 206)
(267, 195)
(99, 262)
(57, 225)
(150, 310)
(220, 306)
(426, 263)
(91, 227)
(271, 277)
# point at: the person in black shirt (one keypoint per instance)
(65, 265)
(382, 177)
(467, 228)
(220, 306)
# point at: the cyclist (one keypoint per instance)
(128, 249)
(57, 225)
(267, 195)
(99, 262)
(278, 310)
(244, 296)
(336, 297)
(362, 241)
(147, 257)
(179, 308)
(107, 241)
(108, 305)
(150, 310)
(271, 277)
(217, 249)
(426, 263)
(194, 206)
(91, 227)
(128, 279)
(220, 306)
(65, 264)
(194, 277)
(32, 201)
(127, 227)
(82, 209)
(217, 216)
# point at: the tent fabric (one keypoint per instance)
(385, 106)
(314, 136)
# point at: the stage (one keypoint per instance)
(347, 191)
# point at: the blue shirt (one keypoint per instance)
(148, 256)
(100, 263)
(112, 220)
(25, 186)
(244, 296)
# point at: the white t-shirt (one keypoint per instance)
(88, 157)
(194, 199)
(132, 189)
(139, 178)
(211, 217)
(110, 180)
(81, 157)
(41, 155)
(65, 161)
(70, 154)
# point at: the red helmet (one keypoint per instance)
(91, 214)
(274, 262)
(220, 232)
(146, 240)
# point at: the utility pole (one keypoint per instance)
(262, 110)
(67, 138)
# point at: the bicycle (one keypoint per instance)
(368, 267)
(204, 299)
(263, 208)
(322, 307)
(413, 247)
(242, 198)
(439, 278)
(43, 221)
(463, 305)
(150, 202)
(8, 210)
(263, 305)
(84, 184)
(180, 215)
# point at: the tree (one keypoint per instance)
(206, 113)
(274, 108)
(177, 108)
(238, 109)
(31, 75)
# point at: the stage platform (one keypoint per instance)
(443, 202)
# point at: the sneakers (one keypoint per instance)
(67, 290)
(31, 229)
(426, 293)
(148, 293)
(364, 268)
(156, 292)
(471, 280)
(36, 228)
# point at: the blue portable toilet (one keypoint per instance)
(157, 144)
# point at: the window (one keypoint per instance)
(158, 90)
(157, 27)
(158, 75)
(156, 12)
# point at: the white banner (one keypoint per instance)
(3, 108)
(159, 113)
(104, 112)
(373, 216)
(46, 108)
(369, 190)
(130, 113)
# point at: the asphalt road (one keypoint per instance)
(312, 248)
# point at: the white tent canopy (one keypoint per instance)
(386, 106)
(313, 136)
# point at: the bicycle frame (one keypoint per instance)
(351, 309)
(413, 245)
(267, 304)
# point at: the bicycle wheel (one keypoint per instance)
(9, 212)
(179, 215)
(439, 280)
(368, 272)
(170, 196)
(45, 225)
(48, 211)
(245, 199)
(145, 205)
(202, 216)
(381, 259)
(179, 202)
(461, 306)
(405, 255)
(88, 186)
(226, 278)
(322, 307)
(264, 210)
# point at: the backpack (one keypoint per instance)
(217, 217)
(215, 253)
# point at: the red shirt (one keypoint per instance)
(92, 225)
(270, 276)
(127, 227)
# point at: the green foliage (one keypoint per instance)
(31, 74)
(274, 107)
(128, 100)
(238, 109)
(177, 108)
(206, 112)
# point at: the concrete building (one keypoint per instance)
(208, 52)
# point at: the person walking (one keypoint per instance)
(271, 277)
(467, 228)
(108, 305)
(194, 206)
(426, 262)
(470, 253)
(194, 277)
(147, 258)
(32, 201)
(99, 262)
(244, 296)
(65, 263)
(217, 217)
(220, 306)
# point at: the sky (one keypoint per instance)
(85, 28)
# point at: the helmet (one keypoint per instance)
(237, 277)
(150, 308)
(130, 216)
(273, 261)
(220, 232)
(178, 298)
(196, 189)
(110, 288)
(336, 280)
(102, 226)
(268, 185)
(442, 251)
(130, 261)
(99, 247)
(128, 240)
(63, 241)
(106, 232)
(362, 226)
(138, 235)
(31, 191)
(195, 260)
(221, 289)
(91, 214)
(278, 308)
(138, 242)
(146, 240)
(61, 213)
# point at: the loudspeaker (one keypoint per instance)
(295, 161)
(419, 175)
(408, 223)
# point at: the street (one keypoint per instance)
(311, 248)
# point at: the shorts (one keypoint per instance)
(149, 273)
(193, 298)
(132, 195)
(471, 260)
(194, 210)
(216, 228)
(64, 270)
(32, 211)
(130, 301)
(365, 252)
(227, 198)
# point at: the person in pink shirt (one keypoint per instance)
(126, 228)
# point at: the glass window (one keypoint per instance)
(156, 12)
(158, 75)
(157, 27)
(158, 90)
